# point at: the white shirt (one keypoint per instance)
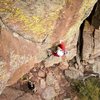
(60, 53)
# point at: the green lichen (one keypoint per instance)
(86, 7)
(17, 60)
(30, 23)
(37, 19)
(6, 6)
(35, 23)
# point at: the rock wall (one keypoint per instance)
(29, 28)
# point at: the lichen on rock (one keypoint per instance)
(18, 60)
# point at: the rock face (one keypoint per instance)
(91, 42)
(11, 94)
(29, 28)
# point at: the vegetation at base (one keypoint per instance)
(89, 89)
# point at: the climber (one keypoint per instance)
(60, 50)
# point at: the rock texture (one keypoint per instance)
(53, 86)
(96, 65)
(49, 93)
(91, 42)
(29, 28)
(73, 73)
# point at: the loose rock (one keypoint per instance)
(73, 73)
(49, 93)
(42, 83)
(41, 73)
(50, 79)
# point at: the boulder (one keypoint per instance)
(28, 28)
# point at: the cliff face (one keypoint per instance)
(28, 28)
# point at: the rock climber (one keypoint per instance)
(59, 50)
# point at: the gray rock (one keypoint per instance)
(87, 41)
(97, 43)
(73, 73)
(96, 66)
(42, 83)
(49, 93)
(50, 79)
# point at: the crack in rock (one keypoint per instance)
(17, 34)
